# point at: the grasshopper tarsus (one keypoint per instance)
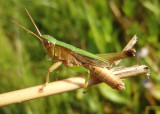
(84, 92)
(41, 90)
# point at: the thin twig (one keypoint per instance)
(66, 85)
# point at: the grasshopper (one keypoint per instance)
(78, 59)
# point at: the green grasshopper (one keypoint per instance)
(79, 60)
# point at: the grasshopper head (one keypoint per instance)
(48, 43)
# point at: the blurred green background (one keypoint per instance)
(98, 26)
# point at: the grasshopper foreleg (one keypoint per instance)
(51, 69)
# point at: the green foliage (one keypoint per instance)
(92, 25)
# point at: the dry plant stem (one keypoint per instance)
(129, 45)
(66, 85)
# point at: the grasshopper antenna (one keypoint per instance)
(33, 22)
(27, 30)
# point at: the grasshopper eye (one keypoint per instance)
(48, 42)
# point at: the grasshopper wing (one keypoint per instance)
(90, 61)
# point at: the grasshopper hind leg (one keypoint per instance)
(84, 71)
(86, 82)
